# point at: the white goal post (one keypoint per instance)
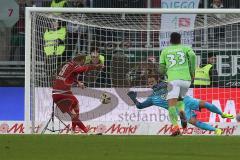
(141, 33)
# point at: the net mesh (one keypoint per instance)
(130, 46)
(138, 22)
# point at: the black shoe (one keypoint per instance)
(176, 133)
(96, 134)
(99, 134)
(183, 120)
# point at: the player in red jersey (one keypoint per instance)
(62, 94)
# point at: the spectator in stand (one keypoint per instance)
(54, 39)
(77, 34)
(206, 75)
(137, 75)
(217, 4)
(95, 57)
(59, 3)
(76, 3)
(74, 31)
(50, 3)
(96, 78)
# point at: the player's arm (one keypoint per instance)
(145, 104)
(87, 68)
(81, 84)
(162, 64)
(140, 105)
(192, 61)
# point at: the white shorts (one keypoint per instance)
(178, 88)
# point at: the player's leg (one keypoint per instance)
(172, 97)
(204, 126)
(69, 104)
(184, 86)
(74, 112)
(214, 109)
(192, 105)
(180, 108)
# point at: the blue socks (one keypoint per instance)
(205, 126)
(212, 108)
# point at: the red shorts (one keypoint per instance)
(65, 102)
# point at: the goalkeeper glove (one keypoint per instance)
(133, 96)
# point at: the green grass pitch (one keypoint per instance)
(67, 147)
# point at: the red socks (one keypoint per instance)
(77, 122)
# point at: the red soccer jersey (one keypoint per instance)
(68, 75)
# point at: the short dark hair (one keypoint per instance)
(210, 55)
(155, 76)
(95, 49)
(175, 38)
(79, 57)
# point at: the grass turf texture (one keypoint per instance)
(67, 147)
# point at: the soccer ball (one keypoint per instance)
(238, 117)
(105, 98)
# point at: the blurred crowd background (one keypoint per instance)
(12, 37)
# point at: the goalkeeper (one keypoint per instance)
(178, 62)
(62, 95)
(158, 98)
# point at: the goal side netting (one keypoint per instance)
(129, 43)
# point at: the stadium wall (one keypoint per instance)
(119, 117)
(118, 128)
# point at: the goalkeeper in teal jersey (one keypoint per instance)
(158, 98)
(178, 63)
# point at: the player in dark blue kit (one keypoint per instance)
(158, 98)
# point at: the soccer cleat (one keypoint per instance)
(93, 133)
(176, 132)
(99, 134)
(183, 120)
(225, 115)
(183, 124)
(132, 95)
(218, 131)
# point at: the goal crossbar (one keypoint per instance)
(133, 10)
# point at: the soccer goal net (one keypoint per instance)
(128, 42)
